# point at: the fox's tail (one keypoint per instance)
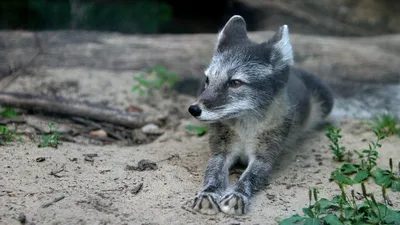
(320, 92)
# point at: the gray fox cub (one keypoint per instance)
(255, 103)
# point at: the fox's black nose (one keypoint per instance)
(195, 110)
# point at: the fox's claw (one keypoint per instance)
(206, 203)
(234, 204)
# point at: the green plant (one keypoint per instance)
(344, 209)
(338, 150)
(155, 78)
(200, 130)
(52, 139)
(7, 135)
(7, 112)
(369, 156)
(362, 170)
(388, 178)
(387, 124)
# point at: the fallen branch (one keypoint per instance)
(72, 108)
(11, 120)
(53, 201)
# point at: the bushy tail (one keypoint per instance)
(321, 93)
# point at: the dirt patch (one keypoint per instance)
(103, 191)
(143, 165)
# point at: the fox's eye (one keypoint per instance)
(207, 81)
(235, 83)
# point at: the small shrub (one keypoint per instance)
(7, 135)
(344, 209)
(7, 112)
(52, 139)
(338, 150)
(156, 78)
(387, 124)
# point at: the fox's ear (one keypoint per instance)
(234, 31)
(282, 53)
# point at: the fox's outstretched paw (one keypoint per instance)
(206, 203)
(234, 203)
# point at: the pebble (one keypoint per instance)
(152, 129)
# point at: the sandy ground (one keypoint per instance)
(99, 184)
(104, 191)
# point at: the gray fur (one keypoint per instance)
(251, 123)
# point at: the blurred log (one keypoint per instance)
(344, 61)
(73, 108)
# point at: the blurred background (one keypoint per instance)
(322, 17)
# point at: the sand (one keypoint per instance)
(102, 189)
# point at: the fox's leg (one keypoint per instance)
(237, 199)
(215, 182)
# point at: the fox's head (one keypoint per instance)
(243, 77)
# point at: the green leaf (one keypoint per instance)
(332, 219)
(135, 88)
(8, 113)
(358, 216)
(348, 213)
(325, 203)
(312, 221)
(42, 144)
(308, 212)
(3, 130)
(360, 155)
(348, 168)
(198, 129)
(141, 92)
(341, 179)
(382, 177)
(360, 176)
(392, 216)
(46, 138)
(395, 185)
(295, 219)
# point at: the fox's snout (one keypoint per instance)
(205, 102)
(195, 110)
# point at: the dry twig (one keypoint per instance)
(54, 201)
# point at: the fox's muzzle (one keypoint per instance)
(195, 110)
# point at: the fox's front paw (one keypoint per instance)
(206, 203)
(234, 203)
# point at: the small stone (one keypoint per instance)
(143, 165)
(152, 129)
(91, 155)
(40, 159)
(88, 159)
(137, 189)
(99, 133)
(133, 108)
(271, 196)
(22, 218)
